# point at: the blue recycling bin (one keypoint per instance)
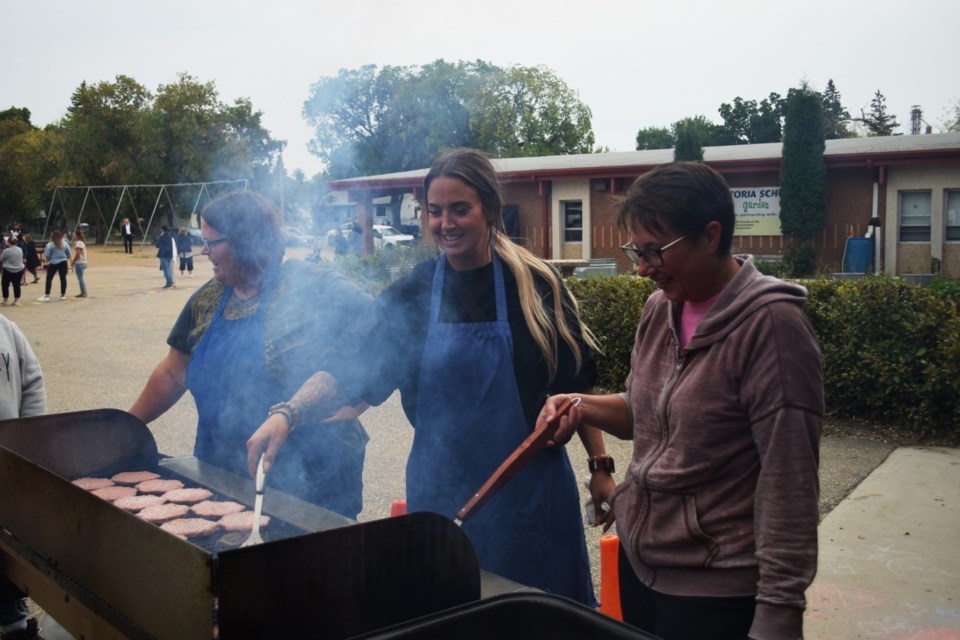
(858, 255)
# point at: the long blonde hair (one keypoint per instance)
(475, 170)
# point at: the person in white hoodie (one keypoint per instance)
(22, 394)
(12, 262)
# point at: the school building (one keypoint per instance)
(564, 207)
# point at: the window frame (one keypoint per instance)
(567, 228)
(951, 232)
(915, 233)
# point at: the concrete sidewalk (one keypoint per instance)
(889, 564)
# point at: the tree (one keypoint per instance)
(750, 122)
(655, 138)
(688, 145)
(835, 117)
(105, 133)
(803, 177)
(29, 161)
(953, 119)
(376, 120)
(529, 111)
(878, 122)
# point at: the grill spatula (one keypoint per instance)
(257, 507)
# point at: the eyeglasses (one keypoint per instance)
(653, 257)
(210, 244)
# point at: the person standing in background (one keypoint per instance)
(21, 243)
(30, 257)
(79, 261)
(126, 230)
(166, 246)
(185, 251)
(57, 253)
(12, 261)
(22, 394)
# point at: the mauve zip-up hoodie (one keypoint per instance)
(720, 498)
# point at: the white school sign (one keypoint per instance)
(757, 210)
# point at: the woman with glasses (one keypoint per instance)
(488, 331)
(249, 339)
(717, 515)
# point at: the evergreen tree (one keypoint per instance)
(835, 117)
(688, 145)
(803, 178)
(878, 122)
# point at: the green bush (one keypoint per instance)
(610, 307)
(891, 350)
(946, 288)
(770, 267)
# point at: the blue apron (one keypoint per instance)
(468, 420)
(233, 389)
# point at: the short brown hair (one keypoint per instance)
(681, 197)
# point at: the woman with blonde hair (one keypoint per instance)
(489, 332)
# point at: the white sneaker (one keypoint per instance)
(63, 297)
(43, 299)
(16, 303)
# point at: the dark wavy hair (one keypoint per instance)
(680, 197)
(252, 225)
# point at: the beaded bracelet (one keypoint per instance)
(288, 411)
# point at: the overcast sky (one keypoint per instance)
(636, 63)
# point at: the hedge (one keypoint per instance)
(891, 350)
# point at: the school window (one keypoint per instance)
(573, 221)
(951, 202)
(914, 216)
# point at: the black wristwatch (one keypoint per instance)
(604, 462)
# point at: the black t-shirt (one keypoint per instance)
(395, 350)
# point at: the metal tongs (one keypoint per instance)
(257, 507)
(515, 461)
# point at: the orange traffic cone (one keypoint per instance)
(398, 508)
(610, 577)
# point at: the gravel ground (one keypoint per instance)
(99, 351)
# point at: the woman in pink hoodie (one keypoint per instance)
(717, 512)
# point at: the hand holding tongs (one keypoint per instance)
(515, 461)
(257, 507)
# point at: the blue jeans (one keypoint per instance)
(165, 267)
(79, 268)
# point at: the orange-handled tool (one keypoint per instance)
(515, 461)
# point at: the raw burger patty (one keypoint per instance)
(242, 521)
(163, 512)
(159, 486)
(190, 527)
(134, 477)
(135, 503)
(187, 495)
(114, 492)
(212, 509)
(93, 483)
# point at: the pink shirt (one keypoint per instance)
(691, 315)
